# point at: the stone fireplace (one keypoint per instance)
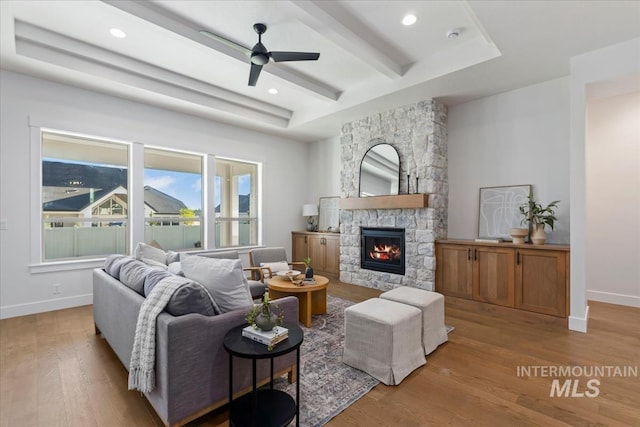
(419, 134)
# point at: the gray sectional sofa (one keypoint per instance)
(191, 363)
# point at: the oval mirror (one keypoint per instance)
(380, 171)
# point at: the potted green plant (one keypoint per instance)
(308, 272)
(538, 217)
(263, 315)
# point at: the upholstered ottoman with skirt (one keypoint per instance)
(384, 339)
(431, 305)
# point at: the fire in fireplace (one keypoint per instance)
(382, 249)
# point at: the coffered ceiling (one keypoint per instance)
(368, 60)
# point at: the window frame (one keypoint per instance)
(136, 218)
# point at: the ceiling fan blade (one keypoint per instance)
(294, 56)
(253, 75)
(229, 43)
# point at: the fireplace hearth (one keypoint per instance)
(382, 249)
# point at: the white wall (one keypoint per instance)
(513, 138)
(606, 64)
(613, 199)
(24, 99)
(324, 169)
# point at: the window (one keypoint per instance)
(84, 197)
(99, 197)
(236, 205)
(173, 199)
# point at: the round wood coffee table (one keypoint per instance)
(312, 299)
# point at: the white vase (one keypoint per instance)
(518, 235)
(538, 237)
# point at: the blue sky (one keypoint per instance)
(186, 187)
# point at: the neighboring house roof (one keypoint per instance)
(162, 203)
(158, 201)
(243, 203)
(76, 203)
(105, 180)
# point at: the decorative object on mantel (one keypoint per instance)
(329, 219)
(263, 317)
(518, 234)
(380, 171)
(538, 217)
(498, 209)
(310, 211)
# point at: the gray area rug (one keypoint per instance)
(327, 386)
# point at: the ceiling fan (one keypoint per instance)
(260, 55)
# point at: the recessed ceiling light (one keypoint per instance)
(452, 34)
(409, 20)
(273, 91)
(118, 33)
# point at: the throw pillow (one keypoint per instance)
(133, 275)
(223, 278)
(172, 257)
(150, 253)
(276, 266)
(113, 264)
(175, 268)
(189, 298)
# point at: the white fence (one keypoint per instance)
(73, 242)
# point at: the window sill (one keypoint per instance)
(82, 264)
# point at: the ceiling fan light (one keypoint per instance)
(259, 58)
(409, 19)
(117, 33)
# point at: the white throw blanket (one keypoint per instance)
(142, 375)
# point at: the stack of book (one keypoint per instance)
(268, 338)
(489, 239)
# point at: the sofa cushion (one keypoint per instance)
(223, 278)
(150, 253)
(133, 274)
(189, 298)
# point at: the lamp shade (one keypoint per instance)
(309, 210)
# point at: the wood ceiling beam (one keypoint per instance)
(333, 22)
(157, 15)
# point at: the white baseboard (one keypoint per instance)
(579, 324)
(611, 298)
(44, 306)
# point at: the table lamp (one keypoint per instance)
(310, 211)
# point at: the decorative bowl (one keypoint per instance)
(288, 273)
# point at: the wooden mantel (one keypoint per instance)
(401, 201)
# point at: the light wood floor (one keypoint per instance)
(56, 372)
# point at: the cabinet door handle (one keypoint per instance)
(517, 257)
(469, 254)
(305, 239)
(475, 254)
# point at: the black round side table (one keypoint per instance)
(265, 407)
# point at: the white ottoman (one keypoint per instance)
(382, 338)
(431, 304)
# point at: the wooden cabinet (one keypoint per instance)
(527, 277)
(541, 281)
(322, 248)
(493, 275)
(454, 271)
